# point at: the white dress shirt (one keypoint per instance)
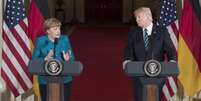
(149, 29)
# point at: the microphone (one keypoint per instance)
(151, 46)
(149, 54)
(55, 43)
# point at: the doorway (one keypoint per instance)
(103, 11)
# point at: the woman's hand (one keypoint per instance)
(49, 55)
(66, 56)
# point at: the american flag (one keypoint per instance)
(168, 18)
(16, 51)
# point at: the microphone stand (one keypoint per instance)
(55, 43)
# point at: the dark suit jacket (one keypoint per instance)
(160, 43)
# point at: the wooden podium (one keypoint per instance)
(149, 84)
(55, 90)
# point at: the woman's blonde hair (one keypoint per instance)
(51, 22)
(145, 10)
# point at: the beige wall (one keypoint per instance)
(68, 10)
(80, 10)
(1, 14)
(68, 7)
(127, 11)
(1, 17)
(51, 4)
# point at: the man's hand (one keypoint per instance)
(125, 62)
(173, 61)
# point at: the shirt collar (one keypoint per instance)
(149, 28)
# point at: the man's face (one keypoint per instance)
(54, 32)
(141, 19)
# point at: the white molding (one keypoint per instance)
(1, 22)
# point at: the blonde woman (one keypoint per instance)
(44, 49)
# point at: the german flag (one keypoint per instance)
(189, 53)
(38, 12)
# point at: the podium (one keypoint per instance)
(150, 89)
(55, 90)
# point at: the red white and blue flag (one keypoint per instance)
(168, 19)
(16, 51)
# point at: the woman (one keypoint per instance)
(44, 49)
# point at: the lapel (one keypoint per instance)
(155, 35)
(140, 47)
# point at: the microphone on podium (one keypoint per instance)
(55, 43)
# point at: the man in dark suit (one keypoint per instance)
(145, 42)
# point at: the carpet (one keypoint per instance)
(100, 50)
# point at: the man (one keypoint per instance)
(145, 42)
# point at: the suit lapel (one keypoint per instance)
(140, 47)
(155, 35)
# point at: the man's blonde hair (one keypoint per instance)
(51, 22)
(145, 10)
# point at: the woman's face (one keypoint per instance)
(54, 32)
